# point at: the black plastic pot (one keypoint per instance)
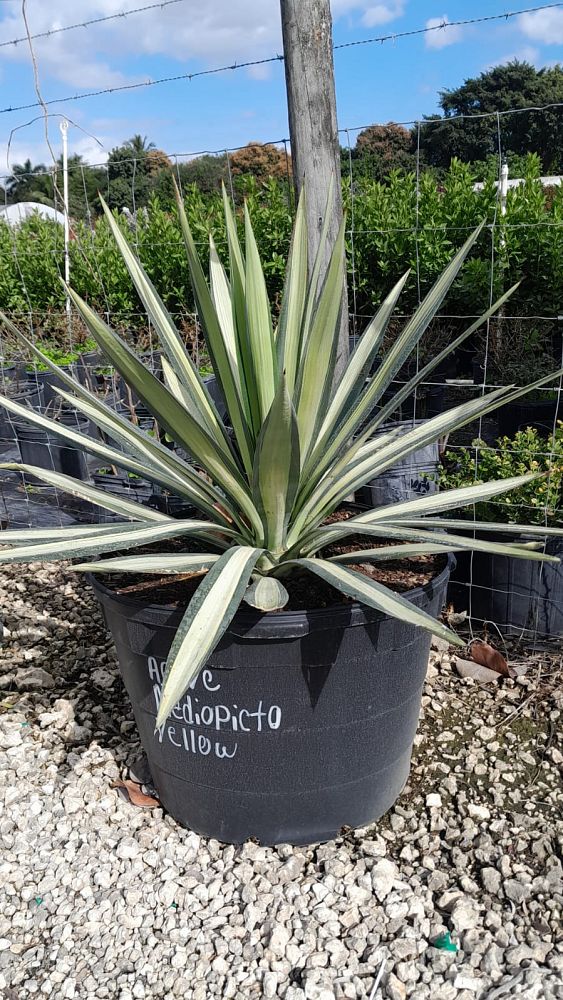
(130, 486)
(145, 420)
(216, 395)
(86, 368)
(27, 394)
(301, 723)
(429, 402)
(48, 381)
(520, 597)
(152, 361)
(49, 451)
(7, 372)
(528, 413)
(174, 506)
(416, 476)
(124, 486)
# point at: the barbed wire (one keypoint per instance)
(285, 141)
(444, 25)
(90, 22)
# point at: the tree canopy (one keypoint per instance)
(503, 89)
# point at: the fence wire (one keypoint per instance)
(497, 593)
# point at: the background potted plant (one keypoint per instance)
(521, 598)
(515, 351)
(296, 716)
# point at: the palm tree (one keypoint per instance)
(29, 183)
(139, 144)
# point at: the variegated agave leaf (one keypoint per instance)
(296, 445)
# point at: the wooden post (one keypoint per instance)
(311, 99)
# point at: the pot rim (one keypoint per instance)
(355, 612)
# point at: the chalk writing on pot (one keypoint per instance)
(197, 711)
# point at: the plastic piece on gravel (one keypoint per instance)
(444, 943)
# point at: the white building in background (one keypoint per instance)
(14, 214)
(513, 182)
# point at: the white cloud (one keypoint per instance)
(160, 42)
(527, 53)
(93, 57)
(545, 26)
(214, 32)
(444, 35)
(382, 13)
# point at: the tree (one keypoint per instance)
(128, 175)
(156, 160)
(380, 149)
(262, 160)
(139, 145)
(514, 86)
(135, 169)
(30, 183)
(206, 171)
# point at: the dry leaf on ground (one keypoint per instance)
(132, 793)
(481, 652)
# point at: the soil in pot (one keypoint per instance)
(301, 723)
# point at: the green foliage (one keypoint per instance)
(503, 88)
(391, 234)
(537, 502)
(60, 356)
(300, 441)
(378, 150)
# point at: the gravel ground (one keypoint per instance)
(104, 899)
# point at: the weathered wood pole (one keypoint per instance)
(311, 100)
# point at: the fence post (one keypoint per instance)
(64, 132)
(311, 100)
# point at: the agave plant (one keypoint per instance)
(297, 446)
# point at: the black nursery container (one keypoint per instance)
(539, 413)
(301, 723)
(415, 476)
(27, 394)
(49, 451)
(522, 598)
(48, 382)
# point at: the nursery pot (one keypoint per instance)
(214, 391)
(48, 382)
(49, 451)
(28, 394)
(300, 724)
(529, 413)
(416, 476)
(123, 486)
(429, 402)
(520, 597)
(86, 368)
(6, 372)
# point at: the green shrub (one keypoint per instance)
(393, 230)
(538, 502)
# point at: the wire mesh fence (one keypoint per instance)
(415, 219)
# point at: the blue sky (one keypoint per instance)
(395, 81)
